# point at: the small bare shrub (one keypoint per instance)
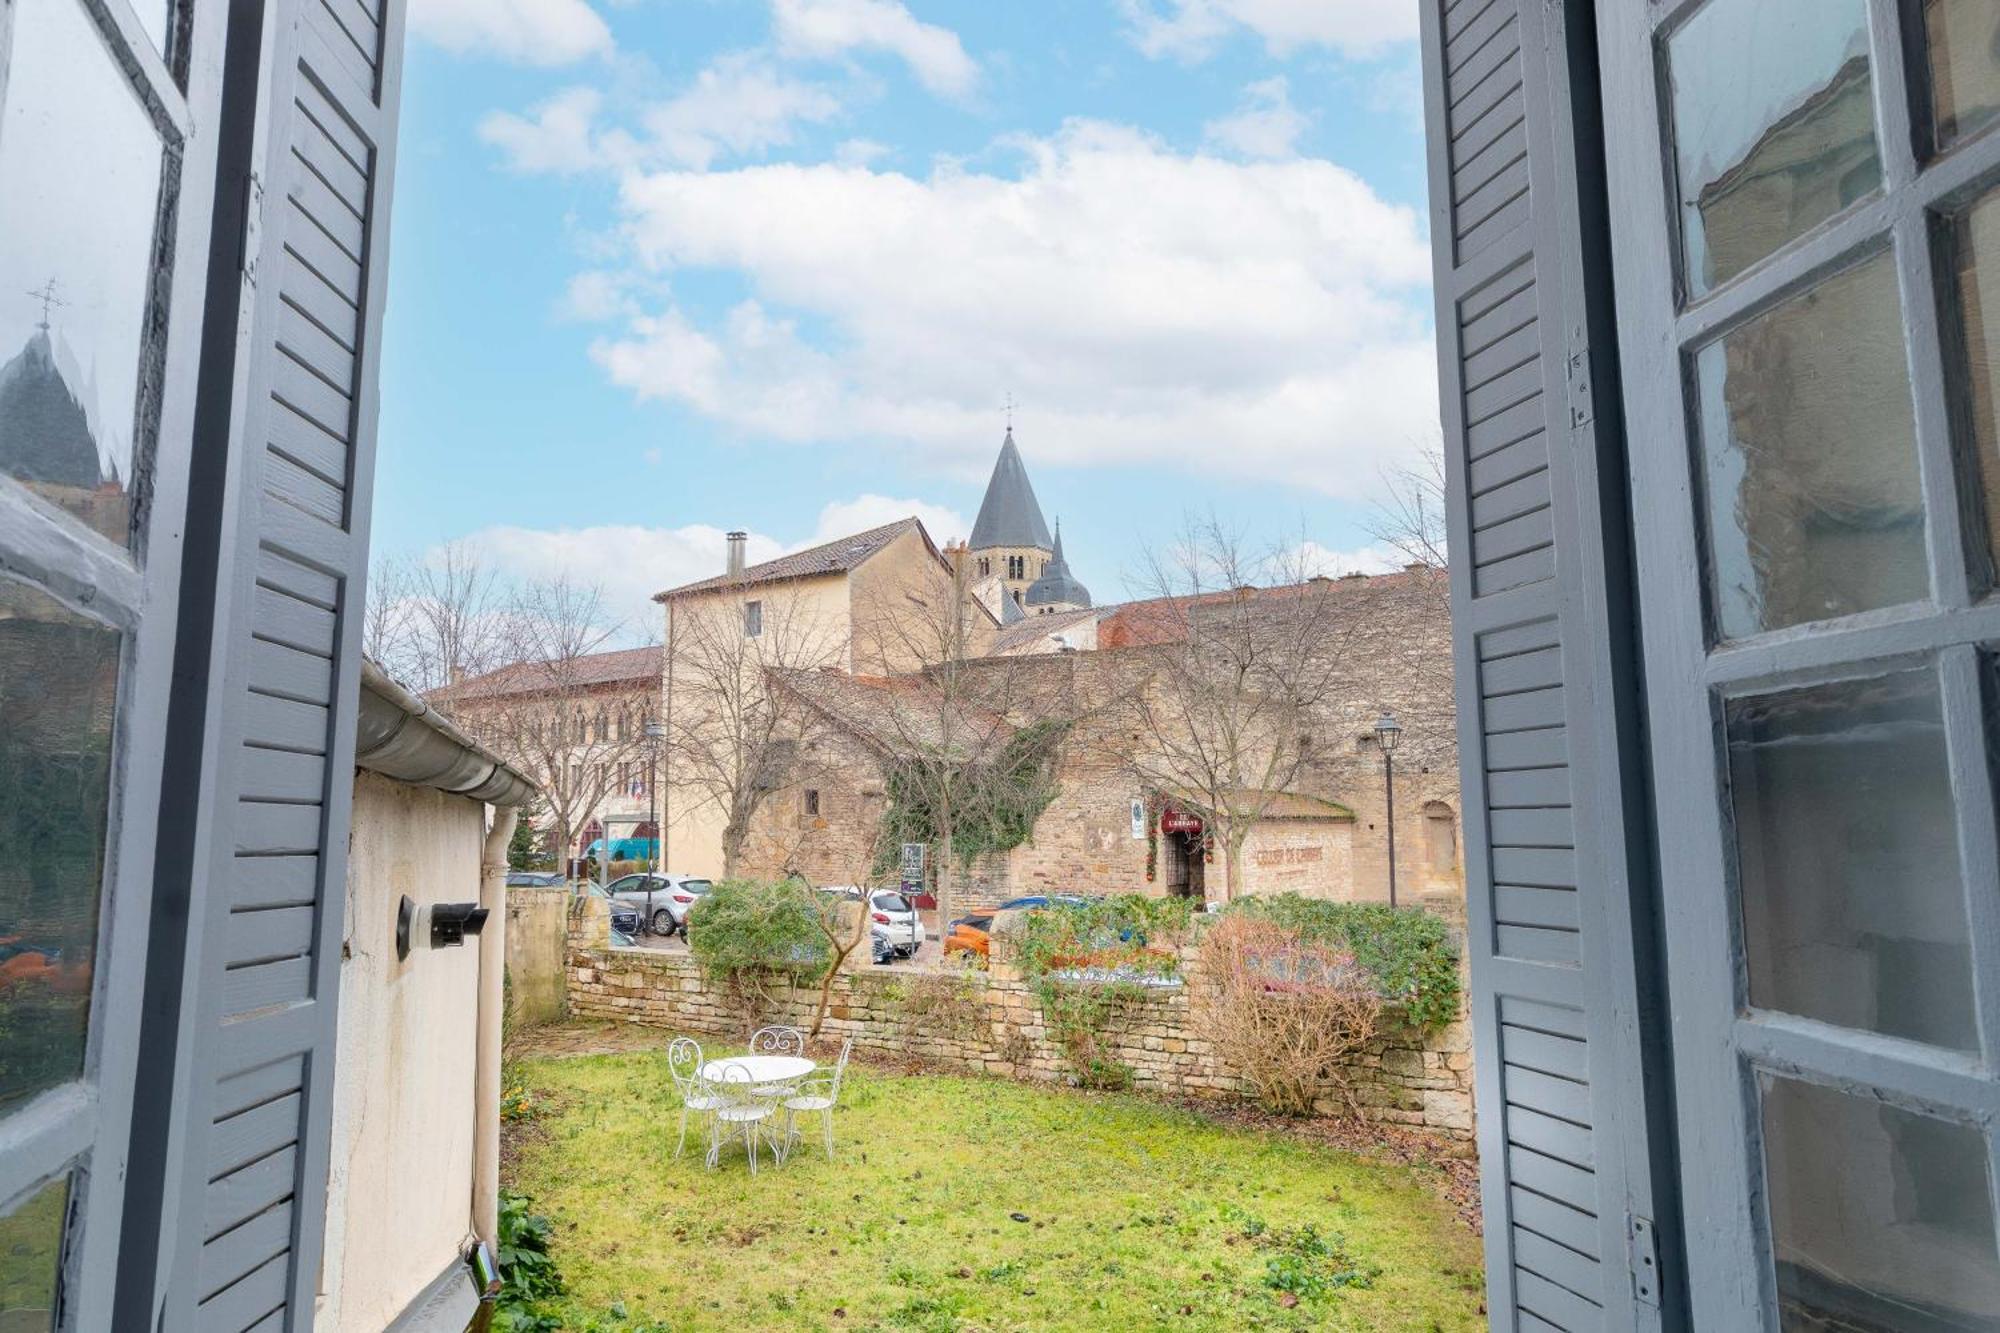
(1289, 1015)
(940, 1004)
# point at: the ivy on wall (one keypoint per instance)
(1087, 962)
(995, 805)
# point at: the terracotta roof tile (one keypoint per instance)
(625, 664)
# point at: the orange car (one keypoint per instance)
(970, 934)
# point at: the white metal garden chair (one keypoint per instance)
(741, 1114)
(816, 1092)
(684, 1063)
(777, 1041)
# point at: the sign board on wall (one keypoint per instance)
(1138, 819)
(913, 868)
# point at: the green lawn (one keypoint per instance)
(1139, 1215)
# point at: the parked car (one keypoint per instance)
(970, 934)
(893, 914)
(624, 916)
(1041, 900)
(535, 879)
(670, 898)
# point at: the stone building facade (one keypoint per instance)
(1106, 830)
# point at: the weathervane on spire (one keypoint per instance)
(46, 294)
(1010, 413)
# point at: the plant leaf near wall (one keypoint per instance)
(1087, 962)
(1413, 955)
(747, 934)
(995, 808)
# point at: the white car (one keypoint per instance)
(892, 914)
(672, 896)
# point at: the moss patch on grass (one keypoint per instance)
(1138, 1216)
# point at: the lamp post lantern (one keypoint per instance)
(1387, 732)
(654, 733)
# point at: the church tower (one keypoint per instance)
(1010, 538)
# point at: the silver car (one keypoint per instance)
(663, 899)
(893, 915)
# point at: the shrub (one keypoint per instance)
(1287, 1013)
(746, 933)
(529, 1278)
(1409, 952)
(1089, 961)
(620, 869)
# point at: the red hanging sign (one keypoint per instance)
(1179, 821)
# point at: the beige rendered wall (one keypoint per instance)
(536, 922)
(807, 622)
(399, 1199)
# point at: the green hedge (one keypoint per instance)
(743, 926)
(1409, 952)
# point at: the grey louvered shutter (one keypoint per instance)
(1554, 848)
(247, 1209)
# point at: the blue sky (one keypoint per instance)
(666, 267)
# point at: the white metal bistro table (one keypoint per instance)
(761, 1068)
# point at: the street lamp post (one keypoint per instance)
(1387, 732)
(654, 734)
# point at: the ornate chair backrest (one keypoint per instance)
(683, 1060)
(777, 1041)
(730, 1084)
(840, 1067)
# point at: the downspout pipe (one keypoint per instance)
(492, 998)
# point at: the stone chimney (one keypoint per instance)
(736, 542)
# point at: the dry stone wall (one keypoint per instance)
(991, 1021)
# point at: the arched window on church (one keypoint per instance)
(1440, 839)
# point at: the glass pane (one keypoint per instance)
(31, 1237)
(1881, 1218)
(1809, 446)
(1964, 40)
(1774, 126)
(1974, 244)
(58, 688)
(1847, 857)
(157, 18)
(80, 172)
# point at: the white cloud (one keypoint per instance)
(594, 296)
(872, 511)
(1191, 29)
(1311, 558)
(530, 32)
(739, 104)
(556, 136)
(1232, 320)
(824, 29)
(632, 561)
(860, 152)
(1265, 124)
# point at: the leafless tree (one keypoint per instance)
(1410, 516)
(1246, 657)
(554, 719)
(439, 619)
(731, 738)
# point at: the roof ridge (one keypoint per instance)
(801, 563)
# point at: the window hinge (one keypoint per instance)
(1578, 368)
(253, 224)
(1645, 1255)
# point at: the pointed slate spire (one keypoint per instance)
(44, 431)
(1057, 586)
(1010, 515)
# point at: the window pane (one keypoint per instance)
(1774, 126)
(31, 1237)
(1809, 448)
(1964, 40)
(80, 169)
(1847, 857)
(58, 687)
(1974, 242)
(1880, 1218)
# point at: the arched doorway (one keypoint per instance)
(1184, 863)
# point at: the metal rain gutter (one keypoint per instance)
(400, 736)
